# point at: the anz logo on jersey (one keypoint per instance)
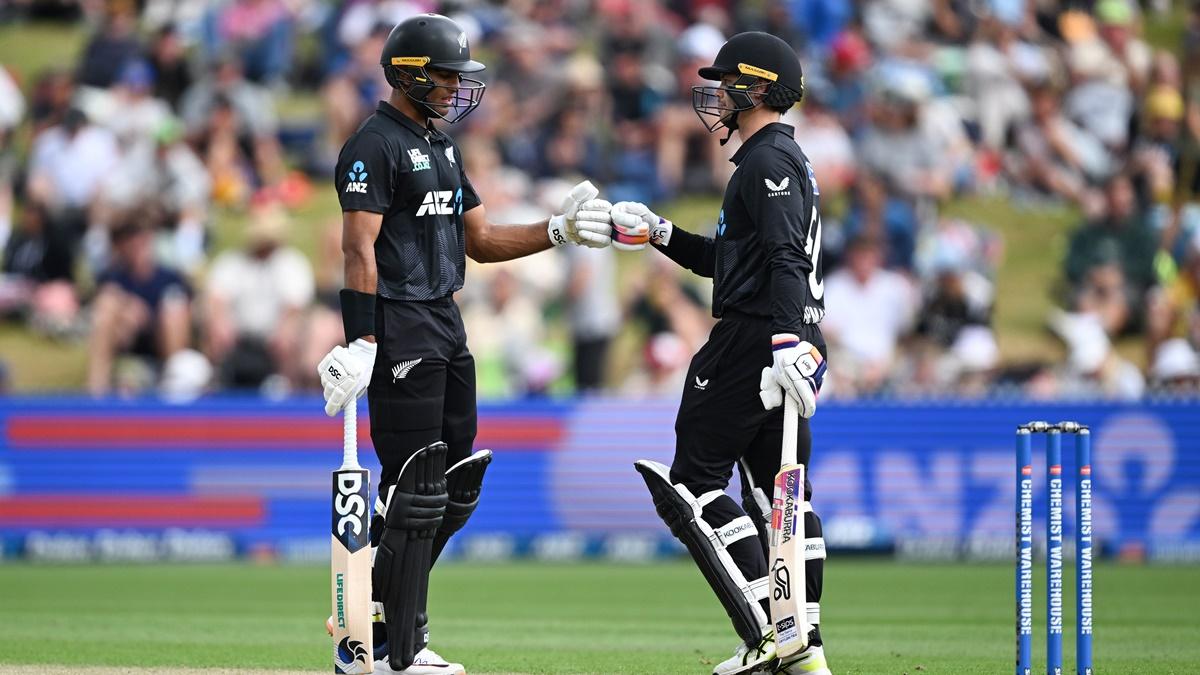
(441, 203)
(358, 178)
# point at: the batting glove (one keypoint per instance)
(584, 220)
(633, 223)
(798, 371)
(345, 373)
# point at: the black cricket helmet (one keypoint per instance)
(764, 65)
(432, 42)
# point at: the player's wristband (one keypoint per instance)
(784, 341)
(358, 313)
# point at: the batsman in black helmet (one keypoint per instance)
(765, 262)
(410, 217)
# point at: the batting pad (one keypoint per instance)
(416, 505)
(683, 513)
(464, 482)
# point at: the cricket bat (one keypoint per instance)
(353, 651)
(789, 606)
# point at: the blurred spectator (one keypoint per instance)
(870, 309)
(233, 123)
(351, 92)
(594, 315)
(675, 323)
(1176, 368)
(1155, 154)
(113, 45)
(508, 338)
(128, 108)
(998, 65)
(68, 163)
(142, 310)
(688, 159)
(50, 99)
(826, 143)
(1100, 102)
(253, 305)
(36, 280)
(163, 171)
(1175, 308)
(259, 32)
(849, 59)
(1129, 58)
(974, 358)
(12, 109)
(172, 71)
(1054, 156)
(1093, 368)
(903, 156)
(1110, 260)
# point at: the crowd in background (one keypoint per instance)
(114, 168)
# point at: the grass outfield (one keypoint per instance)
(880, 618)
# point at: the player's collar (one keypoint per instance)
(409, 123)
(761, 136)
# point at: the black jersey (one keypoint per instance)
(765, 260)
(412, 175)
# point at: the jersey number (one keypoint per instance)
(816, 280)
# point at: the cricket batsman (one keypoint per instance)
(409, 219)
(765, 262)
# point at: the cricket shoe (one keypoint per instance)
(811, 661)
(427, 662)
(757, 658)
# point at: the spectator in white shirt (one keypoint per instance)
(254, 304)
(870, 309)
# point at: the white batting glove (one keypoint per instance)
(345, 373)
(584, 220)
(798, 371)
(633, 225)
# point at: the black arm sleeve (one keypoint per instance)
(365, 173)
(693, 251)
(777, 194)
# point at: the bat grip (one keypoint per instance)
(791, 430)
(350, 435)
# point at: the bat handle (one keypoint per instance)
(791, 430)
(350, 435)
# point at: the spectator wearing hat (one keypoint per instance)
(1093, 369)
(1175, 368)
(254, 302)
(141, 310)
(1154, 158)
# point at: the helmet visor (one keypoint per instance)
(718, 106)
(448, 102)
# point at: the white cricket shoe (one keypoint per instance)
(757, 658)
(427, 663)
(811, 661)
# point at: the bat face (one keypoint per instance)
(787, 560)
(351, 572)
